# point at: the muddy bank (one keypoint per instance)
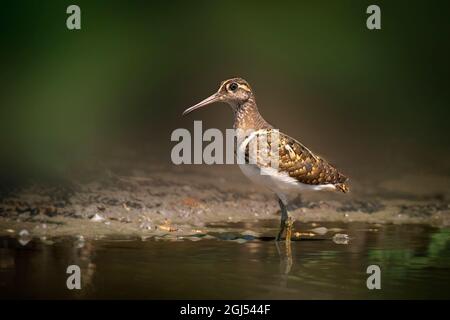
(182, 200)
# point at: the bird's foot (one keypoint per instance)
(289, 223)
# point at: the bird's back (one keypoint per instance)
(306, 167)
(295, 163)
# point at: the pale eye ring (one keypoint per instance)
(233, 86)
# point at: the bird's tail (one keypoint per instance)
(342, 187)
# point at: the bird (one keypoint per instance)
(298, 168)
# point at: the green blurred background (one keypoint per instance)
(370, 101)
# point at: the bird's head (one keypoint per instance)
(234, 91)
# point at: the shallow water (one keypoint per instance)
(414, 262)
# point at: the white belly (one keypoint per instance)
(279, 182)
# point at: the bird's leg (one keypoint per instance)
(284, 218)
(289, 224)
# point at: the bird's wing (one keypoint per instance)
(297, 161)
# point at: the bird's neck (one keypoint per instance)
(247, 116)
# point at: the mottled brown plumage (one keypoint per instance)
(294, 159)
(297, 161)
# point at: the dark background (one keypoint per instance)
(372, 102)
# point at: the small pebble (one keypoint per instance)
(250, 233)
(24, 237)
(97, 218)
(320, 230)
(145, 225)
(79, 242)
(341, 238)
(24, 233)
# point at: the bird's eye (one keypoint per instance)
(233, 86)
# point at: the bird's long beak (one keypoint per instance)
(214, 98)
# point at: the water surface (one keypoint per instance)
(414, 262)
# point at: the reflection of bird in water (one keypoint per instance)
(297, 169)
(285, 257)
